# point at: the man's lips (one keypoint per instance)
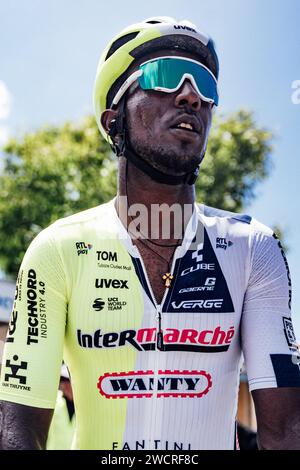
(186, 123)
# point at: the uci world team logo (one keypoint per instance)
(162, 384)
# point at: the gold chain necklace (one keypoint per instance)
(167, 276)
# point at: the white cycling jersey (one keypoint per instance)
(83, 287)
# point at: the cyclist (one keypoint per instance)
(152, 327)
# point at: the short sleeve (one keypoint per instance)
(34, 345)
(267, 335)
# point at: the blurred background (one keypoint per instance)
(49, 52)
(54, 163)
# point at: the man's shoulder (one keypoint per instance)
(250, 224)
(84, 217)
(78, 225)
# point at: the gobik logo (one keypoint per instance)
(82, 248)
(14, 367)
(163, 384)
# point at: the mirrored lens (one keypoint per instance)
(168, 73)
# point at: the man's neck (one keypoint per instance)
(148, 203)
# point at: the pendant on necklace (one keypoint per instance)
(167, 278)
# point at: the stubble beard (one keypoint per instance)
(168, 161)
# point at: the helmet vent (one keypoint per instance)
(120, 42)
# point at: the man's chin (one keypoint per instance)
(170, 161)
(176, 167)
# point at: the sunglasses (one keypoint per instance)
(167, 74)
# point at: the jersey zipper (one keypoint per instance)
(158, 307)
(159, 337)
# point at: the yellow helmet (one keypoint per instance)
(137, 40)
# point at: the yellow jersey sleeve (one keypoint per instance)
(34, 344)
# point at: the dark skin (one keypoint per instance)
(149, 118)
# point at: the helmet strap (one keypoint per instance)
(117, 127)
(158, 175)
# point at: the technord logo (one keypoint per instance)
(146, 384)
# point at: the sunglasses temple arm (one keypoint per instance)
(126, 85)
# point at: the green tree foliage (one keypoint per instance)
(237, 159)
(57, 171)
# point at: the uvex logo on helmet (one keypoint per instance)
(183, 26)
(133, 42)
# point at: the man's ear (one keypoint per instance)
(107, 117)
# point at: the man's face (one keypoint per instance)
(152, 116)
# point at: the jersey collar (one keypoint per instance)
(125, 238)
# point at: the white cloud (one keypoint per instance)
(4, 135)
(5, 101)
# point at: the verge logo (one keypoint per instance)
(82, 248)
(163, 384)
(191, 304)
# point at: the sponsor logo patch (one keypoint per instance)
(188, 339)
(83, 248)
(289, 333)
(163, 384)
(208, 286)
(107, 256)
(14, 370)
(287, 270)
(111, 283)
(223, 243)
(14, 315)
(98, 305)
(113, 303)
(198, 304)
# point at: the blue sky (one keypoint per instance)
(49, 50)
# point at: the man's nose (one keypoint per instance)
(188, 96)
